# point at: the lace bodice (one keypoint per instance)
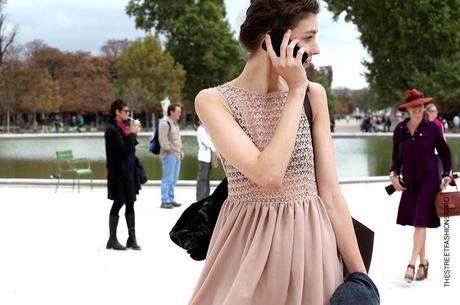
(258, 115)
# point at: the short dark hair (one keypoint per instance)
(264, 15)
(116, 105)
(172, 108)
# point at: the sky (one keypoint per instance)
(85, 25)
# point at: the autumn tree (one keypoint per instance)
(10, 89)
(147, 75)
(348, 100)
(111, 51)
(115, 47)
(40, 94)
(28, 89)
(84, 81)
(31, 48)
(7, 37)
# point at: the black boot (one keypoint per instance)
(113, 241)
(131, 242)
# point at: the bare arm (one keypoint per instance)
(267, 167)
(328, 184)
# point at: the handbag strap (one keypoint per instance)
(455, 183)
(364, 235)
(308, 111)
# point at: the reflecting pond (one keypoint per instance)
(35, 157)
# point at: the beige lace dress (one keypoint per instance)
(270, 247)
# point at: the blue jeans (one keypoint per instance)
(358, 289)
(171, 169)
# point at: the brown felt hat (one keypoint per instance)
(413, 98)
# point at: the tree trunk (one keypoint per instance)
(34, 122)
(8, 121)
(146, 119)
(183, 119)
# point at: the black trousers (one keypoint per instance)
(202, 183)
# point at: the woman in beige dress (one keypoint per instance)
(285, 226)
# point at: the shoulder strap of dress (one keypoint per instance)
(224, 92)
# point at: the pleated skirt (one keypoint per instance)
(270, 254)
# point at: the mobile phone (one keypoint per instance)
(390, 189)
(277, 38)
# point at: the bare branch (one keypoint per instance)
(6, 39)
(114, 47)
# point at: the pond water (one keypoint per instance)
(36, 157)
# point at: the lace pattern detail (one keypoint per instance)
(258, 115)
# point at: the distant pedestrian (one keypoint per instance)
(57, 123)
(205, 150)
(80, 122)
(34, 125)
(122, 179)
(73, 121)
(456, 122)
(171, 154)
(445, 124)
(432, 113)
(332, 123)
(414, 141)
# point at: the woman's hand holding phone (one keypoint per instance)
(397, 184)
(290, 68)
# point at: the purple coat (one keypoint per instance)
(420, 171)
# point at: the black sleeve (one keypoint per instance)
(396, 158)
(444, 152)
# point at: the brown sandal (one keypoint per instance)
(409, 277)
(424, 275)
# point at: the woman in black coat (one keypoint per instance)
(122, 180)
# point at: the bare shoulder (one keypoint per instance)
(209, 99)
(318, 98)
(317, 92)
(205, 94)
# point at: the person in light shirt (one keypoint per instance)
(432, 113)
(205, 149)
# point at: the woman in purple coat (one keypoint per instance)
(414, 143)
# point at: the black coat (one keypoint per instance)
(122, 179)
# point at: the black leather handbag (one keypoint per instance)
(140, 171)
(194, 228)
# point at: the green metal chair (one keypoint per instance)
(77, 167)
